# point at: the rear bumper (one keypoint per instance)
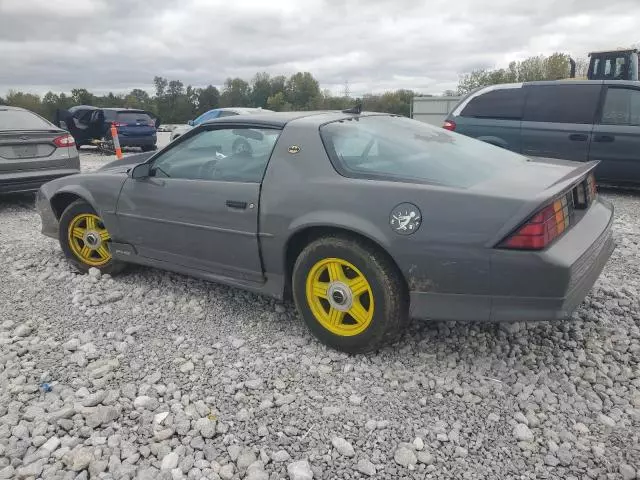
(559, 278)
(145, 141)
(30, 181)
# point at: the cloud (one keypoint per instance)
(375, 45)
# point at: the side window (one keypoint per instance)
(621, 107)
(205, 117)
(504, 103)
(226, 113)
(227, 154)
(562, 103)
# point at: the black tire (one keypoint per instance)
(390, 297)
(70, 214)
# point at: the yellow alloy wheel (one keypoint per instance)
(89, 239)
(340, 297)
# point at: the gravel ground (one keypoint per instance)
(155, 375)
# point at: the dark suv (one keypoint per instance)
(136, 128)
(572, 120)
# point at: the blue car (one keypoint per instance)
(213, 114)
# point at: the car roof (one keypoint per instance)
(280, 119)
(570, 81)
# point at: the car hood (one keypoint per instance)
(122, 166)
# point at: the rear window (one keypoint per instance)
(504, 103)
(22, 120)
(562, 103)
(398, 148)
(133, 118)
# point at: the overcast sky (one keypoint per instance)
(375, 45)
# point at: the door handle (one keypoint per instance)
(604, 138)
(578, 137)
(236, 204)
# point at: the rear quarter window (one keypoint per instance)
(504, 103)
(562, 103)
(400, 149)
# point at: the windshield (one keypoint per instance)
(22, 120)
(395, 148)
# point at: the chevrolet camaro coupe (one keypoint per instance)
(366, 220)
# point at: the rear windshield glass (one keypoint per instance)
(22, 120)
(395, 148)
(133, 118)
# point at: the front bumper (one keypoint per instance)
(533, 286)
(48, 219)
(31, 181)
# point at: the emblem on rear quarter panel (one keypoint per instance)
(405, 219)
(294, 149)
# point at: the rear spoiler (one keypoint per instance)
(545, 197)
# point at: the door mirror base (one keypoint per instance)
(140, 171)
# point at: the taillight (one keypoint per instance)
(449, 125)
(543, 228)
(118, 124)
(64, 141)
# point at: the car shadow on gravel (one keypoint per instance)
(13, 201)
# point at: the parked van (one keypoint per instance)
(572, 120)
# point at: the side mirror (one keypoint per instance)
(140, 171)
(190, 123)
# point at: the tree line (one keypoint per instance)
(173, 102)
(553, 67)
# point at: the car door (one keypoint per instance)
(199, 206)
(616, 136)
(558, 119)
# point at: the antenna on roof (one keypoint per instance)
(357, 109)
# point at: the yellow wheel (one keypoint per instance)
(89, 240)
(340, 297)
(350, 294)
(85, 239)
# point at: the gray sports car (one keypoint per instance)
(365, 219)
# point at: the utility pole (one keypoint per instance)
(347, 90)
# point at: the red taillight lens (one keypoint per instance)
(543, 228)
(64, 141)
(119, 124)
(449, 125)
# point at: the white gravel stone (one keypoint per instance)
(522, 433)
(343, 447)
(365, 467)
(280, 456)
(300, 470)
(170, 461)
(405, 457)
(627, 472)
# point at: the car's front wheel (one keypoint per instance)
(349, 294)
(85, 240)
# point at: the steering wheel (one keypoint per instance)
(240, 145)
(207, 170)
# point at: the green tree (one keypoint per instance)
(260, 90)
(208, 99)
(302, 90)
(236, 93)
(29, 101)
(278, 103)
(81, 96)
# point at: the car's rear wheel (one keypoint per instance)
(350, 295)
(85, 240)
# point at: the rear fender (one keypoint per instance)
(542, 199)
